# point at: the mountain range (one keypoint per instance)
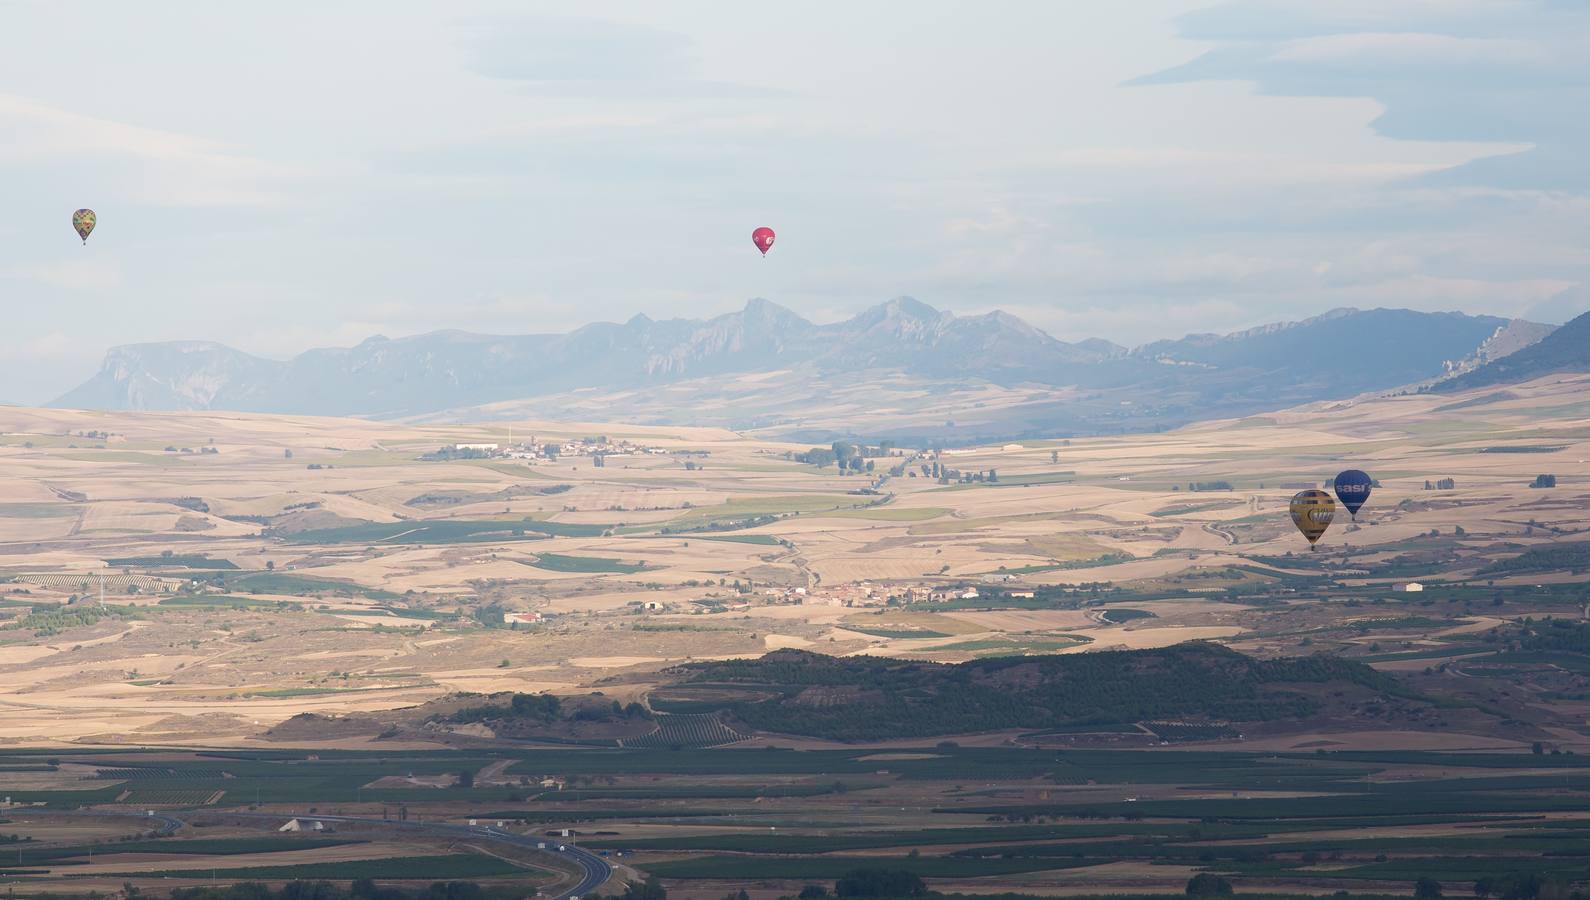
(671, 370)
(1566, 349)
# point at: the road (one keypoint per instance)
(594, 870)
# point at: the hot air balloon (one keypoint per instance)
(1352, 488)
(763, 239)
(1312, 512)
(83, 223)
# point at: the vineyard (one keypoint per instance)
(133, 773)
(115, 584)
(169, 797)
(700, 730)
(1191, 731)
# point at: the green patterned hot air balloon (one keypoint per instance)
(83, 223)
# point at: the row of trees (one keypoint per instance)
(945, 475)
(847, 454)
(868, 882)
(361, 889)
(548, 708)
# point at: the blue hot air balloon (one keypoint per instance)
(1352, 488)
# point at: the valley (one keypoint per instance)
(1058, 667)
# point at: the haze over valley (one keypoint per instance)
(901, 370)
(633, 451)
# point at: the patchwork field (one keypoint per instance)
(714, 658)
(255, 568)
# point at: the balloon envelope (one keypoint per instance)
(1352, 488)
(83, 222)
(1312, 512)
(763, 239)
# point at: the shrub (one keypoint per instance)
(1207, 885)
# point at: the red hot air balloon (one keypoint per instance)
(763, 239)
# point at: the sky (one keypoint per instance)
(278, 177)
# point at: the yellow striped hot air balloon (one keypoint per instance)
(83, 222)
(1312, 512)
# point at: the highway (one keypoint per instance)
(594, 870)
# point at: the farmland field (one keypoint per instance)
(750, 670)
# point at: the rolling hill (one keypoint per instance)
(867, 698)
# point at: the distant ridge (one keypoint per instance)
(1566, 349)
(1341, 353)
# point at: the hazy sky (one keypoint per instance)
(281, 176)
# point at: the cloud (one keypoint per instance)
(595, 58)
(1560, 307)
(1513, 71)
(55, 346)
(87, 274)
(154, 166)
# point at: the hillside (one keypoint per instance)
(871, 698)
(1565, 350)
(921, 373)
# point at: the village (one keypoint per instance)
(598, 447)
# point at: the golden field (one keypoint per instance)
(318, 612)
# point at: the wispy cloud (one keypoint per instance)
(595, 58)
(171, 168)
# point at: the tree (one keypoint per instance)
(650, 889)
(1538, 749)
(270, 565)
(287, 453)
(1427, 888)
(880, 883)
(813, 892)
(466, 779)
(1206, 885)
(1544, 481)
(1054, 456)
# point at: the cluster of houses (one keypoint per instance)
(854, 594)
(533, 449)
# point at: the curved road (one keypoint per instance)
(594, 870)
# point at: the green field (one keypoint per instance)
(1120, 615)
(219, 600)
(1031, 478)
(896, 633)
(426, 868)
(444, 531)
(175, 560)
(737, 867)
(38, 510)
(750, 508)
(557, 562)
(1015, 646)
(300, 585)
(764, 539)
(889, 513)
(124, 456)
